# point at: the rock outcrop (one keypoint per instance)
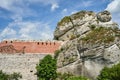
(80, 23)
(104, 16)
(91, 42)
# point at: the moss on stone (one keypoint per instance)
(66, 19)
(92, 27)
(81, 14)
(100, 35)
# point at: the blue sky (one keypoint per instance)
(37, 19)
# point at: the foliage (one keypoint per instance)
(56, 53)
(64, 76)
(68, 76)
(77, 78)
(100, 35)
(56, 38)
(14, 76)
(3, 76)
(79, 15)
(112, 73)
(72, 36)
(66, 19)
(46, 69)
(92, 27)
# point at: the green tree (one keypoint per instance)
(112, 73)
(46, 69)
(3, 76)
(14, 76)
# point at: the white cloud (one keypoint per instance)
(54, 6)
(19, 29)
(53, 3)
(87, 3)
(7, 4)
(74, 12)
(21, 7)
(27, 30)
(18, 7)
(7, 32)
(114, 8)
(65, 10)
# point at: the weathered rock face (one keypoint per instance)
(104, 16)
(79, 23)
(91, 42)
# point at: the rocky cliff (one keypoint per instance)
(91, 42)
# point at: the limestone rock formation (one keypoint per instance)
(81, 22)
(104, 16)
(91, 42)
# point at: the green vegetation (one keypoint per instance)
(77, 78)
(100, 35)
(112, 73)
(14, 76)
(92, 27)
(64, 76)
(68, 76)
(66, 19)
(79, 15)
(90, 13)
(72, 36)
(56, 54)
(46, 69)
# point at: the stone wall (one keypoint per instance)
(21, 63)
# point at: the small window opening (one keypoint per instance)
(6, 42)
(50, 43)
(46, 43)
(42, 43)
(38, 43)
(11, 42)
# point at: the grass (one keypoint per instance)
(66, 19)
(100, 35)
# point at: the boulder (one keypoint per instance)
(104, 16)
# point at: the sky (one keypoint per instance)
(37, 19)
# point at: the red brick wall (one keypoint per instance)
(33, 47)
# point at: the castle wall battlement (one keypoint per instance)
(29, 46)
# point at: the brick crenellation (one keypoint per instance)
(17, 46)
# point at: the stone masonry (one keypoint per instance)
(25, 64)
